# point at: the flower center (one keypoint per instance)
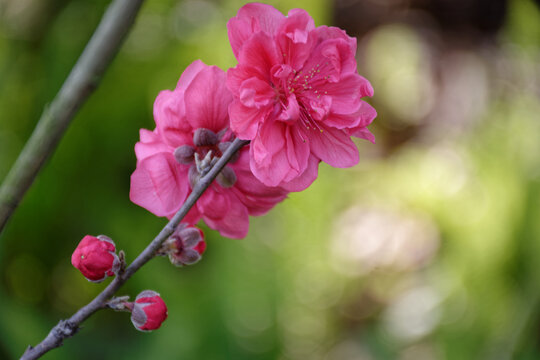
(301, 94)
(207, 150)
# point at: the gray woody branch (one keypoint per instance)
(81, 82)
(67, 328)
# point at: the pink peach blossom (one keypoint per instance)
(297, 95)
(190, 135)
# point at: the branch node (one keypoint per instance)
(65, 329)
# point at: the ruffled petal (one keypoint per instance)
(334, 147)
(189, 74)
(278, 153)
(364, 133)
(245, 120)
(214, 203)
(346, 94)
(256, 93)
(158, 184)
(304, 180)
(360, 118)
(259, 54)
(169, 115)
(207, 99)
(293, 38)
(150, 144)
(235, 223)
(330, 32)
(257, 197)
(251, 19)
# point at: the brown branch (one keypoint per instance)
(81, 82)
(67, 328)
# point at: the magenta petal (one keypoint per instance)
(158, 185)
(252, 18)
(257, 197)
(360, 118)
(330, 32)
(294, 38)
(150, 144)
(291, 111)
(235, 224)
(169, 115)
(304, 180)
(334, 147)
(245, 120)
(260, 55)
(364, 133)
(279, 153)
(256, 93)
(189, 74)
(346, 95)
(192, 217)
(207, 100)
(214, 204)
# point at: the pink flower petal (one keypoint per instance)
(251, 19)
(158, 184)
(346, 95)
(214, 203)
(364, 133)
(330, 32)
(235, 223)
(260, 54)
(304, 180)
(189, 74)
(256, 196)
(256, 93)
(360, 118)
(279, 153)
(246, 119)
(294, 40)
(169, 115)
(291, 112)
(150, 144)
(334, 147)
(207, 100)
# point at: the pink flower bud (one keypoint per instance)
(149, 311)
(186, 246)
(95, 258)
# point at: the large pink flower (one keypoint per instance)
(191, 134)
(297, 95)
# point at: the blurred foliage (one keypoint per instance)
(426, 250)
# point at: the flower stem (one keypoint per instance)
(67, 328)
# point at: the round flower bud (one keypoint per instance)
(186, 246)
(95, 258)
(149, 311)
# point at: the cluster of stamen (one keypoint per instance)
(302, 81)
(208, 148)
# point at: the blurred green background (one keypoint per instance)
(428, 249)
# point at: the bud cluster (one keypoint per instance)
(185, 246)
(96, 258)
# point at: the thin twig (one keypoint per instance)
(67, 328)
(81, 82)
